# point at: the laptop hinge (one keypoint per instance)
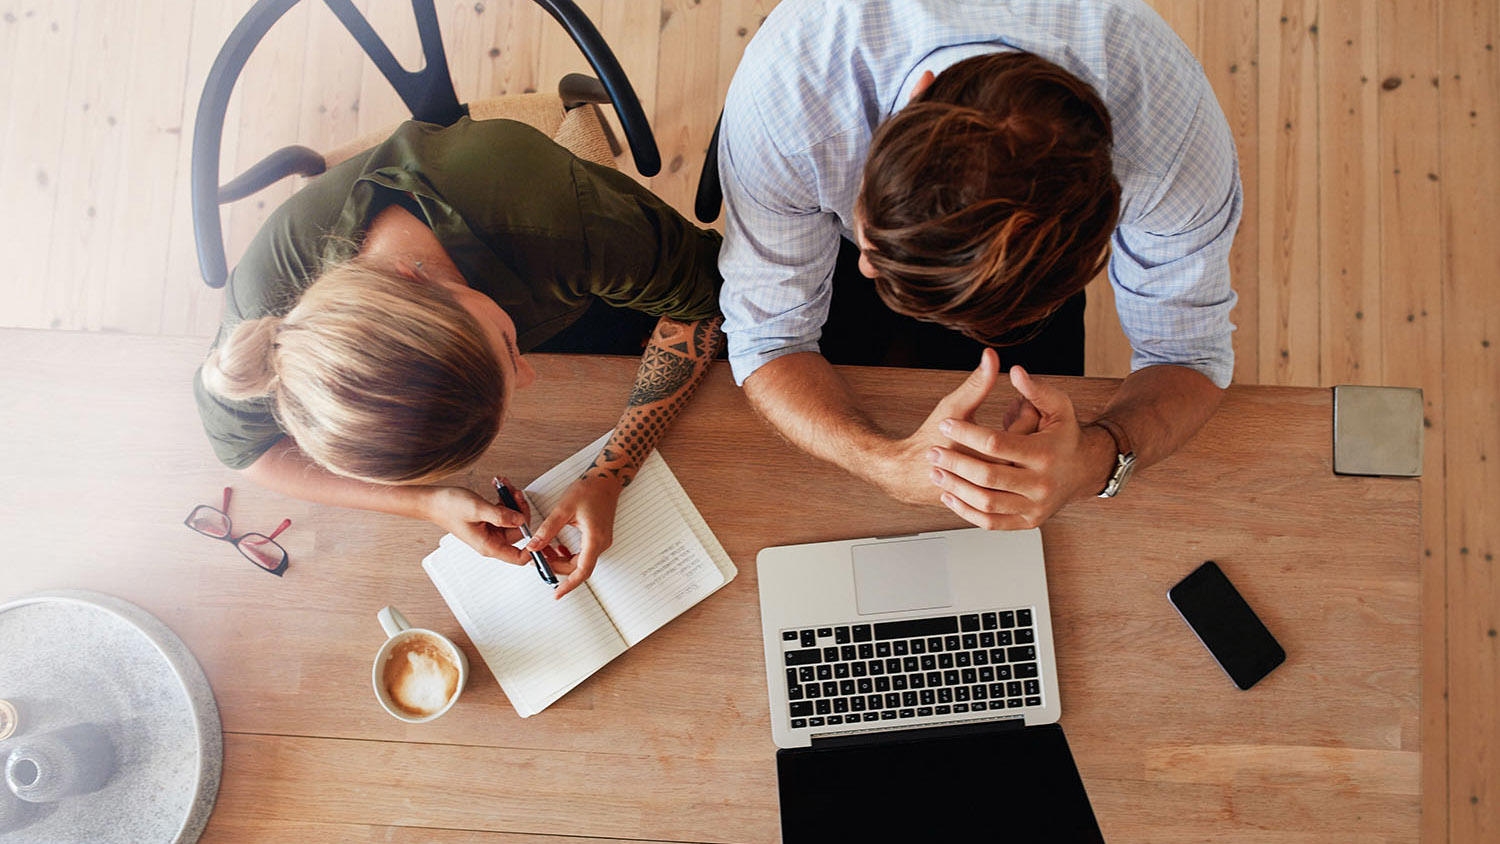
(895, 734)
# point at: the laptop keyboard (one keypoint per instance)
(911, 668)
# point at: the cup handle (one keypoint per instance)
(392, 621)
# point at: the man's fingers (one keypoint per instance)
(1020, 449)
(982, 499)
(984, 473)
(1050, 402)
(1026, 419)
(988, 521)
(964, 401)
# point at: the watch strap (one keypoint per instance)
(1122, 440)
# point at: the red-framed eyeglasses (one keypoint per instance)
(258, 548)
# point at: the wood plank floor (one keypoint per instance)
(1368, 132)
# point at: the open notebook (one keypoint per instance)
(664, 559)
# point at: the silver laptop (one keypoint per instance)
(874, 635)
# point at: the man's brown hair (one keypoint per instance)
(990, 199)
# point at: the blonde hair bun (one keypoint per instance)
(242, 367)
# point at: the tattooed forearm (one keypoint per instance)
(675, 361)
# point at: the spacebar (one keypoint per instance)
(910, 627)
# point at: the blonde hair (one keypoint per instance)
(375, 376)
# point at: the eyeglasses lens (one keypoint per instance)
(262, 551)
(209, 521)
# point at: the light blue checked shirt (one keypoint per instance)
(821, 75)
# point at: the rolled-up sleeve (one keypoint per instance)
(1169, 264)
(780, 245)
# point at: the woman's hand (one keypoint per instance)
(488, 528)
(589, 505)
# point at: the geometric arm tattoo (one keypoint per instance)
(676, 359)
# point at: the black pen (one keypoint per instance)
(508, 501)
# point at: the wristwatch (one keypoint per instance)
(1124, 458)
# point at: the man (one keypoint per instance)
(1014, 141)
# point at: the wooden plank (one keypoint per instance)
(465, 24)
(1469, 170)
(633, 31)
(512, 34)
(127, 295)
(1288, 263)
(380, 107)
(188, 305)
(1412, 336)
(270, 830)
(1349, 195)
(1326, 745)
(328, 116)
(1229, 53)
(688, 98)
(33, 165)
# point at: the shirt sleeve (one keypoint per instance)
(642, 254)
(1169, 264)
(780, 245)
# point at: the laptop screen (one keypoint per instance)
(983, 783)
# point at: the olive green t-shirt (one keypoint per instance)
(529, 224)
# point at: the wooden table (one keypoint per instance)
(101, 457)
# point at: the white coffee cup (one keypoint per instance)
(425, 690)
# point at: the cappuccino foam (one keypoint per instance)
(420, 676)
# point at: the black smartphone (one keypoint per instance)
(1226, 625)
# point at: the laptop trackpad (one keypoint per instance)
(907, 574)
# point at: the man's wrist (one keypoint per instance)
(1100, 457)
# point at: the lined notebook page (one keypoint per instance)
(664, 558)
(538, 648)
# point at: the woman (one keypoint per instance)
(373, 332)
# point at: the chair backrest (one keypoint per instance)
(428, 93)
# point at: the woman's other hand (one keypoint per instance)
(488, 528)
(589, 505)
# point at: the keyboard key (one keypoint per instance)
(877, 667)
(934, 679)
(898, 647)
(892, 700)
(950, 677)
(841, 705)
(888, 715)
(971, 641)
(898, 682)
(1007, 619)
(908, 713)
(1013, 703)
(825, 632)
(908, 698)
(793, 692)
(979, 692)
(848, 653)
(846, 687)
(815, 722)
(997, 690)
(929, 662)
(1003, 638)
(986, 675)
(808, 639)
(919, 646)
(1033, 687)
(893, 665)
(857, 703)
(830, 688)
(961, 693)
(981, 657)
(882, 684)
(1002, 672)
(799, 723)
(1023, 618)
(801, 708)
(841, 635)
(841, 671)
(804, 657)
(882, 649)
(951, 643)
(909, 627)
(858, 669)
(830, 654)
(907, 663)
(924, 711)
(944, 710)
(960, 707)
(927, 696)
(986, 640)
(805, 674)
(961, 659)
(935, 644)
(871, 716)
(1021, 653)
(812, 690)
(918, 680)
(862, 633)
(1025, 637)
(874, 701)
(866, 652)
(1033, 701)
(968, 622)
(1013, 688)
(969, 676)
(988, 621)
(825, 672)
(834, 720)
(945, 660)
(997, 656)
(823, 706)
(945, 696)
(864, 685)
(979, 705)
(788, 635)
(791, 676)
(1026, 669)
